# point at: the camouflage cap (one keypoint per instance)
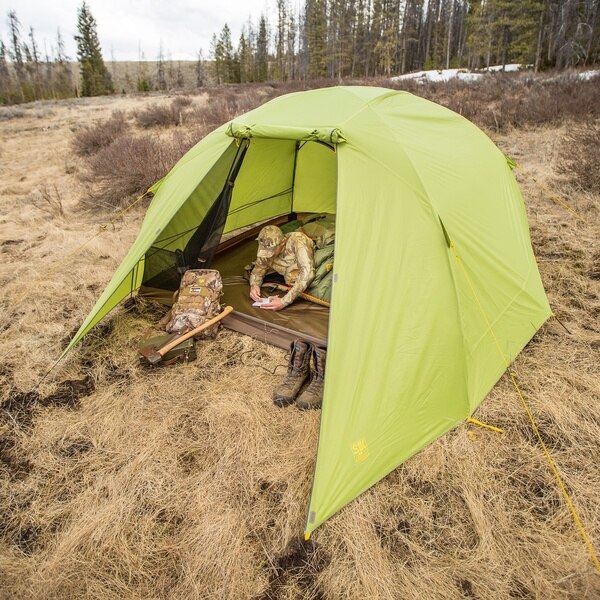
(268, 239)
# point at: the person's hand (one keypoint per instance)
(255, 293)
(276, 303)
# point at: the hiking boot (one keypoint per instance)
(312, 396)
(297, 374)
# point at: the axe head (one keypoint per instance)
(150, 356)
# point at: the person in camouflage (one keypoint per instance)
(291, 255)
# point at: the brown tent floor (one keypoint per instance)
(302, 319)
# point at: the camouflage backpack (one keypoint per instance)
(197, 302)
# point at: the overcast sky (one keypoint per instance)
(184, 26)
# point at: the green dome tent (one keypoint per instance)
(435, 288)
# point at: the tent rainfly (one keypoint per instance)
(435, 288)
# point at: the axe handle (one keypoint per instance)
(181, 338)
(285, 288)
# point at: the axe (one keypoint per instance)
(154, 355)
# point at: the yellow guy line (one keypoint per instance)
(561, 201)
(476, 422)
(553, 467)
(101, 230)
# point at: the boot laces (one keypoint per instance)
(293, 368)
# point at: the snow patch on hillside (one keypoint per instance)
(443, 75)
(587, 75)
(436, 76)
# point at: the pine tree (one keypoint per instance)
(262, 51)
(291, 46)
(386, 28)
(15, 53)
(315, 12)
(216, 53)
(63, 84)
(143, 83)
(161, 81)
(27, 82)
(34, 67)
(95, 78)
(479, 34)
(227, 56)
(361, 46)
(521, 26)
(280, 40)
(243, 54)
(200, 70)
(179, 78)
(5, 79)
(410, 58)
(340, 36)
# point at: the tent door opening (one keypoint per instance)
(259, 181)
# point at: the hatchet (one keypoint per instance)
(155, 355)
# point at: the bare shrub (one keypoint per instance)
(222, 106)
(182, 102)
(163, 115)
(10, 112)
(579, 157)
(129, 166)
(95, 137)
(49, 201)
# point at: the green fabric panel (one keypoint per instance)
(316, 179)
(500, 264)
(107, 301)
(396, 367)
(381, 410)
(325, 108)
(183, 225)
(267, 171)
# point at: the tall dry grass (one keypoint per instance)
(579, 157)
(188, 483)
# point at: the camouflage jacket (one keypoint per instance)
(296, 262)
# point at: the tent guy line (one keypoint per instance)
(555, 472)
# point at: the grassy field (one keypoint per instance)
(187, 482)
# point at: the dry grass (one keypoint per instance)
(579, 155)
(117, 482)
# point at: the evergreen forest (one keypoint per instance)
(317, 39)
